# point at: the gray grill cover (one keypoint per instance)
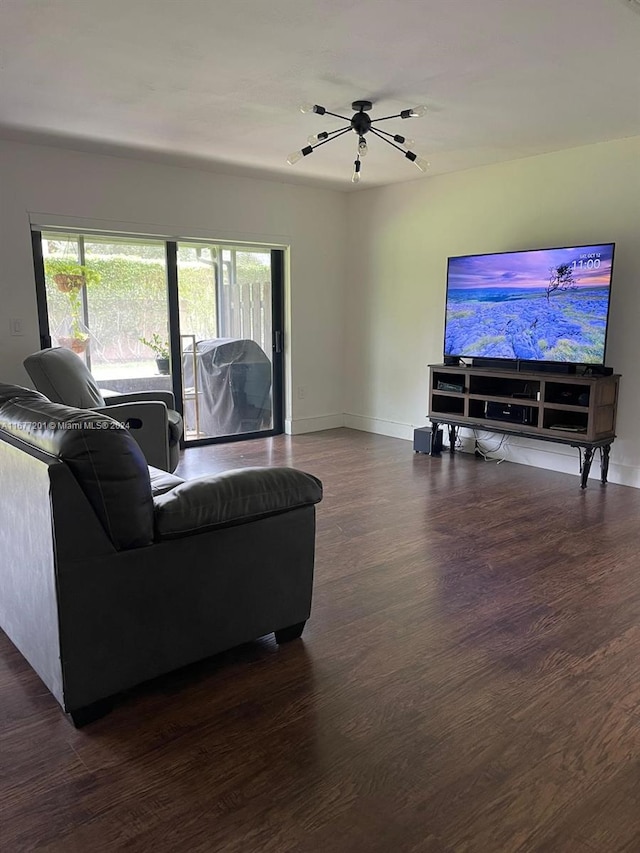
(234, 378)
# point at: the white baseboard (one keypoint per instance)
(538, 454)
(298, 426)
(394, 429)
(522, 451)
(553, 457)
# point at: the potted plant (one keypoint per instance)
(77, 341)
(70, 276)
(161, 349)
(75, 335)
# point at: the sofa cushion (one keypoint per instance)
(162, 481)
(102, 455)
(17, 392)
(234, 497)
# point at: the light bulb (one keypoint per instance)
(355, 178)
(362, 147)
(312, 108)
(317, 137)
(298, 155)
(404, 141)
(414, 112)
(420, 163)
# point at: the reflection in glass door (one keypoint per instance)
(229, 301)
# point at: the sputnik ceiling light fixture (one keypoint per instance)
(361, 124)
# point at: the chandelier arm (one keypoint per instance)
(336, 134)
(338, 130)
(393, 145)
(386, 132)
(335, 115)
(385, 118)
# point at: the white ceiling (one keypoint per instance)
(220, 83)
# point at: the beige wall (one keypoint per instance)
(399, 241)
(51, 185)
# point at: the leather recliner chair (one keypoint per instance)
(63, 377)
(112, 573)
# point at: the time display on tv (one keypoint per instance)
(537, 305)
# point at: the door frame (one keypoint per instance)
(277, 350)
(173, 312)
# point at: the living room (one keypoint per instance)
(361, 350)
(364, 315)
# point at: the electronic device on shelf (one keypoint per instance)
(540, 309)
(508, 412)
(450, 386)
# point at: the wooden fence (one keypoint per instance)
(245, 312)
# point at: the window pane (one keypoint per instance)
(126, 308)
(61, 254)
(118, 318)
(225, 326)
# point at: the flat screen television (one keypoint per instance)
(542, 305)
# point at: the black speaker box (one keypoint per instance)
(422, 439)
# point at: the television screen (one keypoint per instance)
(539, 305)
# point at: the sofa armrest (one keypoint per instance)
(148, 424)
(114, 398)
(234, 497)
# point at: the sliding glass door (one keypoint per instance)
(230, 339)
(203, 319)
(106, 300)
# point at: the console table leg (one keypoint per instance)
(586, 466)
(453, 436)
(604, 462)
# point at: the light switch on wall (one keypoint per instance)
(16, 326)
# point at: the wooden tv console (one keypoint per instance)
(564, 408)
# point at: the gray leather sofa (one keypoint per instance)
(112, 573)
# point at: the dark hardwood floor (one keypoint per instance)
(469, 681)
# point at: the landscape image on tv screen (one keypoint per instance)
(540, 305)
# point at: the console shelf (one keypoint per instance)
(567, 409)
